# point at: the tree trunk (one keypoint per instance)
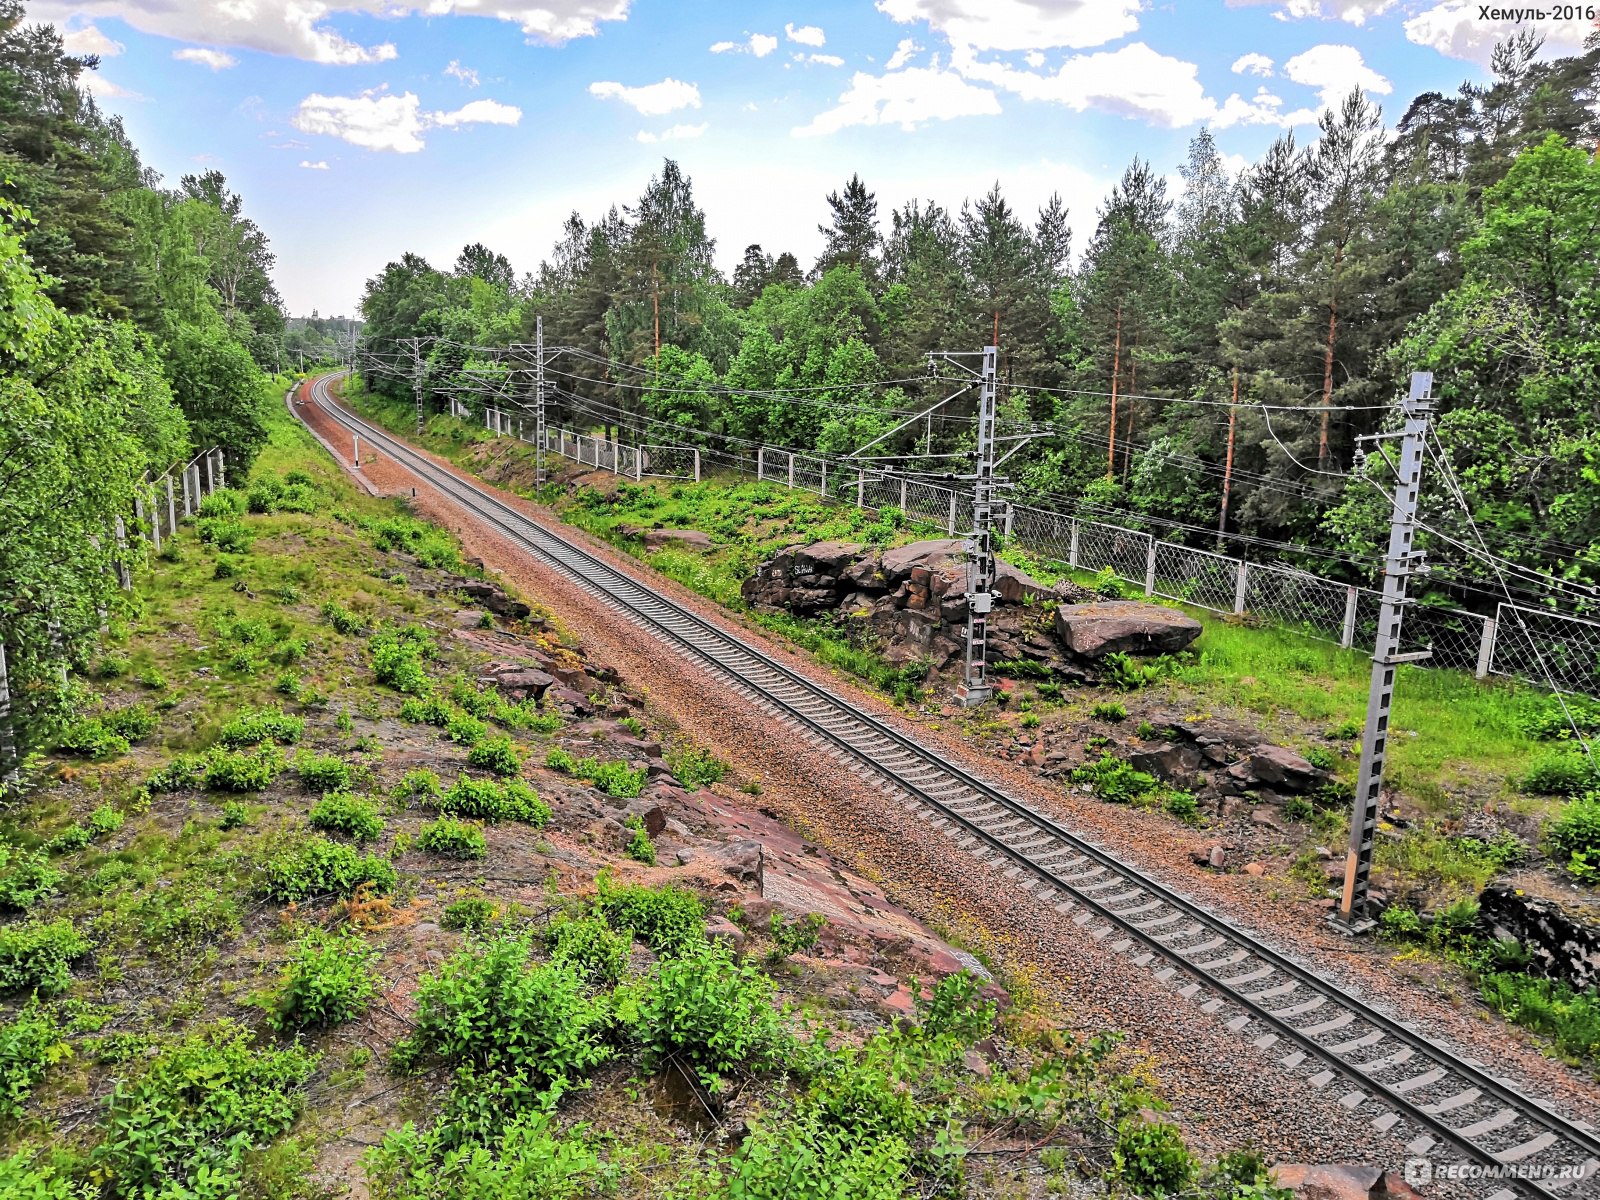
(1133, 408)
(1227, 466)
(1327, 362)
(1116, 371)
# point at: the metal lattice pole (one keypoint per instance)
(975, 686)
(1399, 564)
(538, 404)
(416, 378)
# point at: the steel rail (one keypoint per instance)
(879, 750)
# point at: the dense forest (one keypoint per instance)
(1464, 239)
(135, 321)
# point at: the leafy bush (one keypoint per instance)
(1127, 674)
(669, 920)
(426, 710)
(953, 1010)
(1574, 838)
(791, 937)
(38, 956)
(225, 533)
(453, 839)
(73, 837)
(30, 1045)
(182, 1127)
(1562, 773)
(591, 948)
(1151, 1159)
(343, 620)
(262, 725)
(1569, 1018)
(1115, 781)
(224, 502)
(239, 771)
(806, 1158)
(329, 980)
(494, 800)
(695, 767)
(91, 739)
(420, 784)
(177, 920)
(490, 1007)
(1182, 805)
(613, 778)
(354, 816)
(26, 877)
(559, 760)
(498, 754)
(1109, 710)
(322, 772)
(1548, 719)
(471, 914)
(318, 867)
(464, 729)
(183, 773)
(530, 1162)
(640, 847)
(431, 546)
(704, 1008)
(398, 659)
(102, 821)
(233, 815)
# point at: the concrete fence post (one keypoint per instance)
(1241, 587)
(902, 494)
(697, 464)
(1347, 633)
(124, 576)
(211, 474)
(1072, 546)
(10, 768)
(172, 507)
(761, 463)
(222, 469)
(861, 488)
(188, 499)
(824, 490)
(1011, 513)
(1150, 566)
(154, 510)
(1491, 628)
(950, 522)
(791, 470)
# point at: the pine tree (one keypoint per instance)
(851, 238)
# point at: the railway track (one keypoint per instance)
(1448, 1109)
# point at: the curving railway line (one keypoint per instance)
(1445, 1107)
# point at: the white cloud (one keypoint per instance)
(652, 100)
(1034, 59)
(90, 40)
(825, 60)
(217, 60)
(314, 166)
(759, 44)
(1132, 81)
(1253, 64)
(301, 28)
(1334, 71)
(98, 85)
(806, 35)
(1021, 24)
(902, 54)
(377, 120)
(1453, 28)
(676, 133)
(466, 75)
(1354, 12)
(904, 98)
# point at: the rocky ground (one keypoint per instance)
(1197, 1061)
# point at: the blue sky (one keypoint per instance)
(356, 129)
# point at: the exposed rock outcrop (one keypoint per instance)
(1094, 630)
(1561, 932)
(913, 598)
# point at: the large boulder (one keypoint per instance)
(1330, 1181)
(1092, 631)
(690, 539)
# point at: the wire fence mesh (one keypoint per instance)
(1548, 648)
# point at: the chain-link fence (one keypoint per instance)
(160, 503)
(1548, 648)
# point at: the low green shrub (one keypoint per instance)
(234, 815)
(1115, 781)
(1109, 710)
(431, 546)
(793, 937)
(470, 914)
(1151, 1159)
(354, 816)
(322, 772)
(529, 1161)
(224, 502)
(426, 710)
(227, 534)
(167, 1133)
(1549, 719)
(1569, 1018)
(184, 773)
(73, 837)
(559, 760)
(452, 839)
(1182, 805)
(243, 771)
(178, 920)
(343, 620)
(420, 784)
(30, 1044)
(670, 920)
(802, 1157)
(613, 778)
(26, 877)
(494, 800)
(1574, 838)
(498, 754)
(92, 739)
(1561, 773)
(329, 979)
(592, 948)
(102, 821)
(640, 847)
(695, 767)
(716, 1014)
(261, 725)
(37, 956)
(464, 729)
(319, 867)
